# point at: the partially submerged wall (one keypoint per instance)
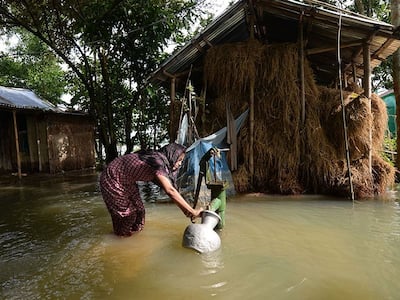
(70, 143)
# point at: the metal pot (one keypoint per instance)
(202, 237)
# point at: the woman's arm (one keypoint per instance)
(177, 198)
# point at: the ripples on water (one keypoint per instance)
(56, 243)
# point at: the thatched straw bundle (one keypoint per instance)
(380, 121)
(292, 155)
(232, 65)
(358, 121)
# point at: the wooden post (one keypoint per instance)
(251, 146)
(395, 10)
(171, 110)
(38, 145)
(203, 106)
(354, 73)
(252, 22)
(303, 92)
(17, 144)
(367, 93)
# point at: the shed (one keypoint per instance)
(298, 66)
(36, 136)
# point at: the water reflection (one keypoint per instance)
(56, 242)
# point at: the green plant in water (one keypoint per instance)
(389, 149)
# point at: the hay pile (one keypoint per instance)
(291, 157)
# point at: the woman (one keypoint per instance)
(118, 183)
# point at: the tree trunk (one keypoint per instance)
(395, 7)
(111, 148)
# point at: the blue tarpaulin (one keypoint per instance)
(191, 166)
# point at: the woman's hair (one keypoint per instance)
(172, 152)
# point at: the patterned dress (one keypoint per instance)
(118, 183)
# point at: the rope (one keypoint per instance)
(342, 101)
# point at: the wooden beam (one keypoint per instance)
(358, 52)
(385, 45)
(329, 49)
(181, 74)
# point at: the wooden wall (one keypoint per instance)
(7, 141)
(48, 142)
(70, 143)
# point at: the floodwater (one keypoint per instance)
(56, 243)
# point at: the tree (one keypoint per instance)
(110, 46)
(30, 64)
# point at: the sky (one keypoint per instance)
(219, 6)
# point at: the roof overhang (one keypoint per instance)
(278, 21)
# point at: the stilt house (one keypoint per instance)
(303, 69)
(36, 136)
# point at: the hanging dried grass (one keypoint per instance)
(241, 180)
(291, 156)
(358, 120)
(232, 65)
(383, 174)
(380, 121)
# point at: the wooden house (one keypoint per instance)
(303, 69)
(36, 136)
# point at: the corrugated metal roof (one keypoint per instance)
(277, 21)
(23, 99)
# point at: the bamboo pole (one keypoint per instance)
(251, 133)
(252, 86)
(303, 92)
(367, 93)
(17, 144)
(171, 110)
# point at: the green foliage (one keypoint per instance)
(29, 64)
(389, 149)
(382, 75)
(110, 47)
(379, 10)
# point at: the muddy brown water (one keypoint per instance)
(56, 243)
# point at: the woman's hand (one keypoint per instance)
(196, 214)
(178, 199)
